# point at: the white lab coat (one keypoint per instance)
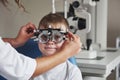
(64, 71)
(15, 66)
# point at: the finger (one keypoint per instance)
(30, 25)
(30, 28)
(71, 36)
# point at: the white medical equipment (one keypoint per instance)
(118, 67)
(118, 42)
(82, 21)
(79, 19)
(90, 2)
(83, 18)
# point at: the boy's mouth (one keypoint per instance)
(50, 48)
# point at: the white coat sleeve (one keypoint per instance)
(15, 66)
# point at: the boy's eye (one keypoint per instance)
(57, 37)
(44, 37)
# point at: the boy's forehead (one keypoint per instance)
(54, 26)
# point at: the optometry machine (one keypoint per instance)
(80, 22)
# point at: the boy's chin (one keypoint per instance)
(50, 53)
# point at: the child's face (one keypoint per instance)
(50, 47)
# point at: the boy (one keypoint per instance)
(53, 31)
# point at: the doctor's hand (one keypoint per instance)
(25, 33)
(72, 45)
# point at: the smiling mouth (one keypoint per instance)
(49, 48)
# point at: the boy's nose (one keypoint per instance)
(50, 42)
